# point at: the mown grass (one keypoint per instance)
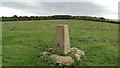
(22, 41)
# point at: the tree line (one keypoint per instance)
(57, 17)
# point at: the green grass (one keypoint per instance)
(22, 41)
(0, 44)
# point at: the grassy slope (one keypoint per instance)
(24, 40)
(0, 44)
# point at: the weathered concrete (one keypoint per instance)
(61, 41)
(63, 60)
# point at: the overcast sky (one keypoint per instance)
(99, 8)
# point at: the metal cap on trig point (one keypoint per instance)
(61, 41)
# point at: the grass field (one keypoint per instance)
(22, 41)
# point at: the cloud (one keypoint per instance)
(92, 8)
(46, 0)
(10, 12)
(75, 8)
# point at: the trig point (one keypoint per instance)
(62, 44)
(61, 41)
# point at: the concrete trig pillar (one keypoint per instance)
(61, 41)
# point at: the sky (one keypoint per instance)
(99, 8)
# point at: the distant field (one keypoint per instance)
(22, 41)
